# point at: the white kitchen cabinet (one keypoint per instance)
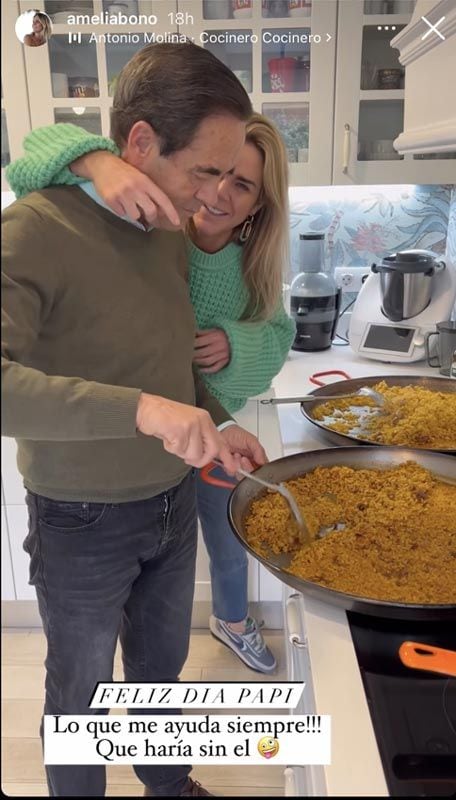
(73, 81)
(429, 57)
(13, 485)
(8, 591)
(14, 107)
(336, 116)
(369, 116)
(289, 79)
(14, 528)
(18, 528)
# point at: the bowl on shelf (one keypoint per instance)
(82, 87)
(390, 78)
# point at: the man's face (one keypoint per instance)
(190, 177)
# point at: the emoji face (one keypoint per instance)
(268, 747)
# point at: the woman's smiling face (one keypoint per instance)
(37, 26)
(237, 197)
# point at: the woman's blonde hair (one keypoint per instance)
(46, 23)
(265, 253)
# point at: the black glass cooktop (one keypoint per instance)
(413, 712)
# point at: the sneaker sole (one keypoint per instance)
(265, 670)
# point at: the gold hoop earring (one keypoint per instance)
(247, 228)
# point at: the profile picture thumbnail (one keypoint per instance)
(33, 28)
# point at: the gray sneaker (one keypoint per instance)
(249, 646)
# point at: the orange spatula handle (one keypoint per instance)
(425, 656)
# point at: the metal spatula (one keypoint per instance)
(282, 489)
(365, 391)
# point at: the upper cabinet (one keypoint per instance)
(283, 51)
(370, 94)
(427, 50)
(15, 107)
(323, 70)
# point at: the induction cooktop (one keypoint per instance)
(413, 712)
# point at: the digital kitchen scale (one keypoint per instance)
(373, 335)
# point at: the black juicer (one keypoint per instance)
(315, 298)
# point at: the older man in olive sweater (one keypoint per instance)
(100, 395)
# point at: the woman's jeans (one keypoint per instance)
(228, 559)
(103, 571)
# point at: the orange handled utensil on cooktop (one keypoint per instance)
(425, 656)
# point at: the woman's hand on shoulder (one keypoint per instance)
(212, 350)
(126, 190)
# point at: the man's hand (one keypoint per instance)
(245, 447)
(186, 431)
(126, 190)
(212, 350)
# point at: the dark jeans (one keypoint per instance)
(103, 571)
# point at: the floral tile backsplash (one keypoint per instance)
(365, 223)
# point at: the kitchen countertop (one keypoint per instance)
(356, 768)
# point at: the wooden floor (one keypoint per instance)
(23, 654)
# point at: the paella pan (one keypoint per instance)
(380, 458)
(359, 433)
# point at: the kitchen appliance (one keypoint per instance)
(315, 298)
(358, 458)
(352, 385)
(403, 298)
(413, 714)
(446, 347)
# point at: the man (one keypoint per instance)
(99, 393)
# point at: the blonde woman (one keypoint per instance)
(237, 254)
(41, 30)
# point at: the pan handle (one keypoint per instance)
(427, 657)
(314, 378)
(205, 475)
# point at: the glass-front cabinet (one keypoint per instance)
(283, 51)
(14, 106)
(369, 110)
(73, 78)
(323, 70)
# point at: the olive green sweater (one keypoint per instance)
(95, 310)
(217, 288)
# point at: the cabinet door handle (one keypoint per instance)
(291, 790)
(346, 153)
(294, 622)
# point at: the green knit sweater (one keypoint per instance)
(217, 288)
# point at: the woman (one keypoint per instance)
(237, 252)
(42, 30)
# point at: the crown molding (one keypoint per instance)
(410, 42)
(437, 138)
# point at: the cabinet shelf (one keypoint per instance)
(381, 94)
(313, 123)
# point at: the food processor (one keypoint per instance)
(400, 303)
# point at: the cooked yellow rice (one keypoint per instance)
(399, 540)
(412, 416)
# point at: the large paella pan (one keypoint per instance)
(358, 458)
(358, 433)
